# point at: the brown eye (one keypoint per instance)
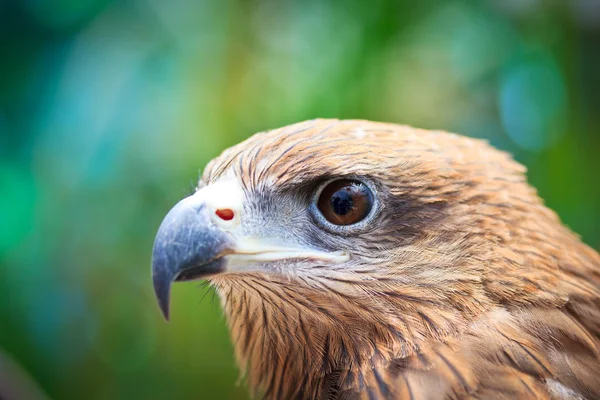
(345, 202)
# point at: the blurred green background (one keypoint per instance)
(109, 109)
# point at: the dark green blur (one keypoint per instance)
(109, 110)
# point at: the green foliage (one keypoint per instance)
(108, 110)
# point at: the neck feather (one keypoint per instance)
(296, 343)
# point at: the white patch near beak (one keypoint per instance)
(223, 194)
(251, 250)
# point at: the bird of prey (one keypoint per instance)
(363, 260)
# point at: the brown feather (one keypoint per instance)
(470, 287)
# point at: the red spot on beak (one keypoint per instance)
(226, 214)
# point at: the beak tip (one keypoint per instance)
(162, 291)
(163, 304)
(165, 313)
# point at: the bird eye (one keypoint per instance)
(345, 202)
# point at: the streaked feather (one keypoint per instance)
(471, 289)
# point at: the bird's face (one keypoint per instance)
(351, 255)
(349, 210)
(346, 245)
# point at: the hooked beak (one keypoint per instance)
(194, 243)
(187, 246)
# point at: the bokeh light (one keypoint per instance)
(110, 109)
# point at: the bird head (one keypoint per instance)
(373, 237)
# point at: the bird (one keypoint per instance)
(368, 260)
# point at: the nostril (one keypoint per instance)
(226, 214)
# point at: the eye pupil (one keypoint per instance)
(345, 202)
(341, 202)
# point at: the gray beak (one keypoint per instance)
(188, 246)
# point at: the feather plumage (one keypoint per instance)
(467, 287)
